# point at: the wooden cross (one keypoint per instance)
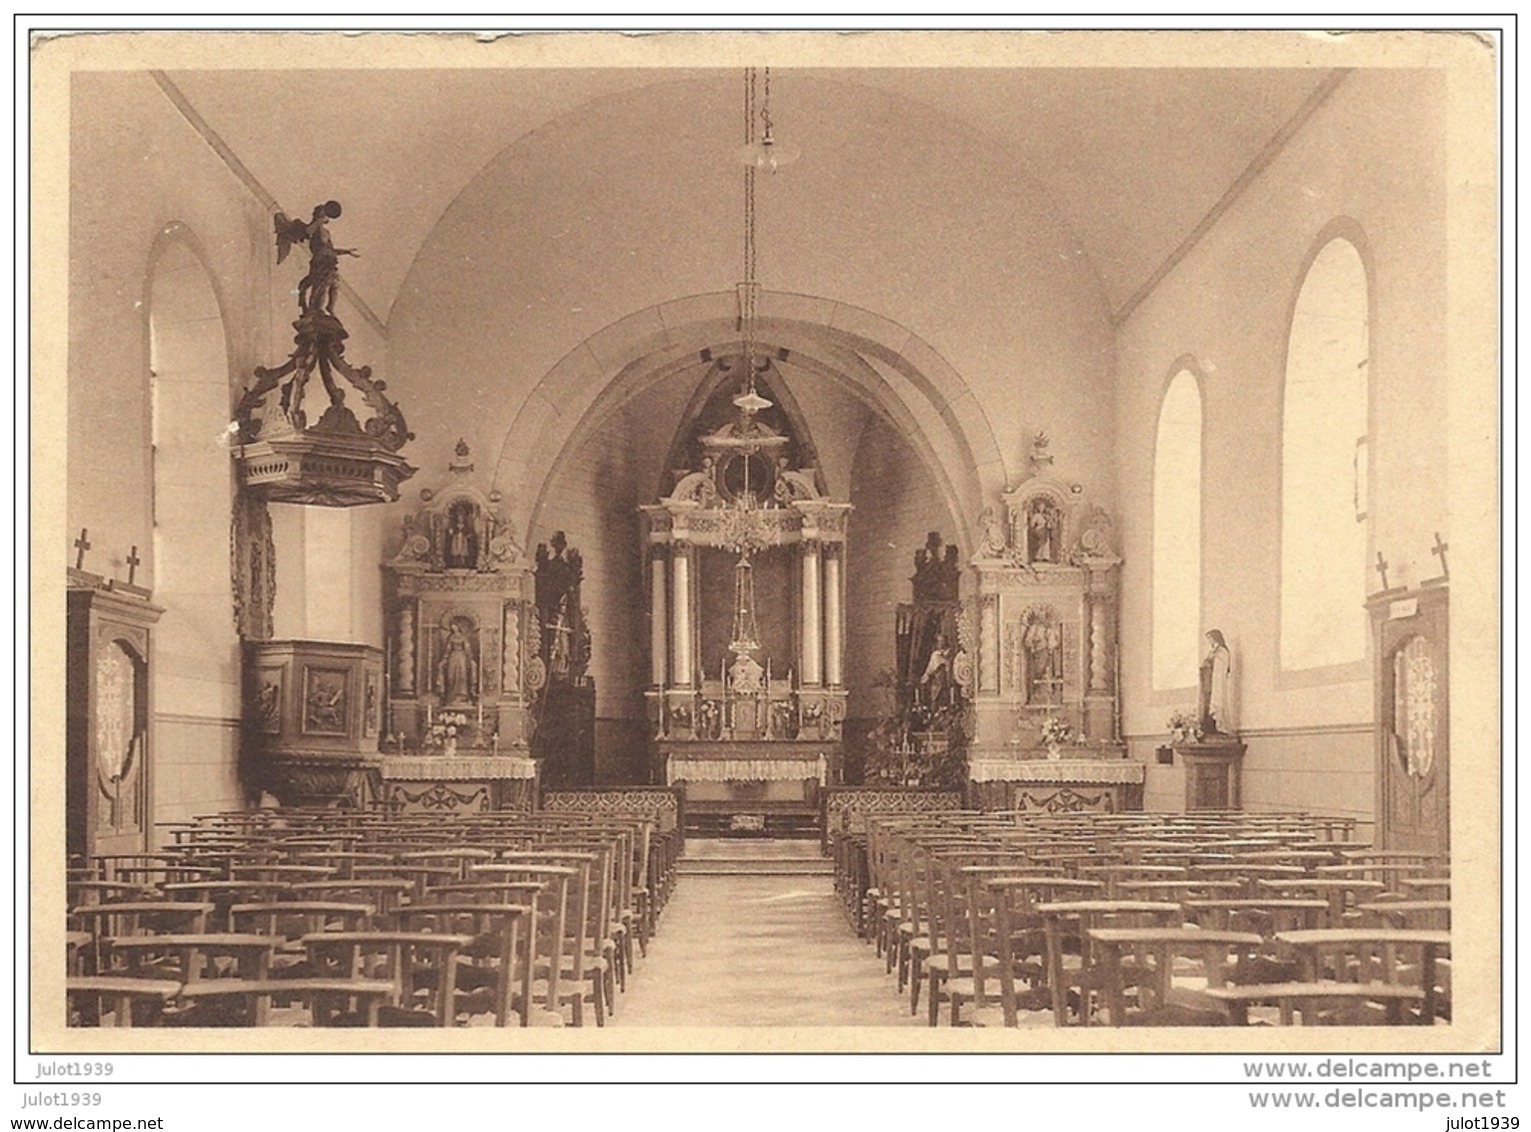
(133, 563)
(1382, 568)
(81, 545)
(1439, 550)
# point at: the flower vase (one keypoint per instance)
(1054, 752)
(449, 746)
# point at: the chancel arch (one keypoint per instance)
(927, 402)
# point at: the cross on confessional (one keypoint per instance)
(1439, 550)
(81, 545)
(133, 563)
(1382, 568)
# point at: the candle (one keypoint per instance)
(430, 716)
(494, 743)
(481, 713)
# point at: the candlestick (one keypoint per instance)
(481, 713)
(494, 742)
(430, 715)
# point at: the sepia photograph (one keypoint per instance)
(906, 542)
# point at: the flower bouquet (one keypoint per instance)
(1183, 726)
(1055, 733)
(444, 730)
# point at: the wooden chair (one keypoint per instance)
(1019, 933)
(1067, 921)
(128, 1001)
(494, 969)
(587, 974)
(1159, 1002)
(548, 931)
(422, 966)
(250, 1002)
(1315, 1001)
(1377, 955)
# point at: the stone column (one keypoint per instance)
(510, 651)
(680, 614)
(659, 620)
(1099, 680)
(812, 617)
(406, 650)
(833, 628)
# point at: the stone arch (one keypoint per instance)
(886, 365)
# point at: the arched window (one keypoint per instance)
(1323, 465)
(1177, 535)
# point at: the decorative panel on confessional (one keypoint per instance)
(108, 793)
(1413, 732)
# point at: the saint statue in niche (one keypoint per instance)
(1042, 531)
(457, 672)
(1216, 716)
(1042, 637)
(462, 538)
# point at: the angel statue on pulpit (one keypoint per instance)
(323, 279)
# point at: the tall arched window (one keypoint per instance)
(1323, 465)
(1177, 535)
(195, 646)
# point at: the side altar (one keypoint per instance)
(746, 582)
(1046, 731)
(463, 667)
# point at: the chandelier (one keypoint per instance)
(760, 153)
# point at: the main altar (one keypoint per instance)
(1046, 732)
(745, 574)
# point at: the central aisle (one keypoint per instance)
(759, 951)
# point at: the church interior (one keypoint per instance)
(996, 533)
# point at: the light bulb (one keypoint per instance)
(768, 155)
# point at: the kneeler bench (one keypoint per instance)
(1308, 999)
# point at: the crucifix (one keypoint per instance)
(81, 545)
(133, 563)
(1382, 568)
(1439, 550)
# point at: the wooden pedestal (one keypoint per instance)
(1213, 774)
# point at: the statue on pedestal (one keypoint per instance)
(1215, 708)
(457, 672)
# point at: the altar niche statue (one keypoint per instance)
(1043, 531)
(1042, 638)
(457, 671)
(461, 550)
(1216, 716)
(317, 289)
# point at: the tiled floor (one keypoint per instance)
(760, 951)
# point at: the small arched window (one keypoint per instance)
(1177, 535)
(1324, 454)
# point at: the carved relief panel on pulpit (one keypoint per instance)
(461, 623)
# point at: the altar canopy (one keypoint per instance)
(746, 581)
